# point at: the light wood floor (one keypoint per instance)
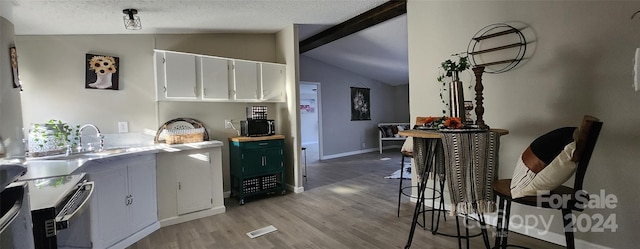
(347, 204)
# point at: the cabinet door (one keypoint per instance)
(158, 58)
(194, 183)
(215, 78)
(246, 75)
(273, 82)
(257, 161)
(109, 207)
(273, 159)
(180, 75)
(252, 161)
(142, 191)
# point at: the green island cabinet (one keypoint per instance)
(257, 166)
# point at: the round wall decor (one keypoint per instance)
(497, 47)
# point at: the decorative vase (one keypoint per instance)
(44, 140)
(456, 99)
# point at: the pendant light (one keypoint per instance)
(131, 20)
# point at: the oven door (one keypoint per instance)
(73, 221)
(75, 205)
(15, 218)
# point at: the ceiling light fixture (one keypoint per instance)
(131, 20)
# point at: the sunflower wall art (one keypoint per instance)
(102, 72)
(360, 105)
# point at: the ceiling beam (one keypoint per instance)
(365, 20)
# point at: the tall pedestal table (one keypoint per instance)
(469, 158)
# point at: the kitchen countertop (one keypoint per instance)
(62, 166)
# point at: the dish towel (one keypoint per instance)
(471, 166)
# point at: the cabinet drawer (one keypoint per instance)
(261, 144)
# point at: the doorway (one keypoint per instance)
(310, 121)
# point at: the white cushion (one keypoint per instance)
(527, 183)
(408, 145)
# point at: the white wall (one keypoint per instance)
(340, 134)
(580, 63)
(287, 52)
(10, 108)
(53, 74)
(53, 71)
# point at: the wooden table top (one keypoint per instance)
(437, 133)
(252, 139)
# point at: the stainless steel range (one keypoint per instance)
(57, 210)
(15, 218)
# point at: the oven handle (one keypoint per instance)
(11, 215)
(62, 222)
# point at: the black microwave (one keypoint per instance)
(257, 127)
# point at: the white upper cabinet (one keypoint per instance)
(246, 76)
(192, 77)
(273, 82)
(214, 77)
(180, 75)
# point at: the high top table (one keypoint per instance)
(469, 160)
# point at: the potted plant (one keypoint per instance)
(52, 137)
(451, 69)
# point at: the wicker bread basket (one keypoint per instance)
(180, 131)
(181, 136)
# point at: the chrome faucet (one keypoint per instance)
(98, 135)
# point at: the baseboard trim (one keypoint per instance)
(295, 189)
(192, 216)
(351, 153)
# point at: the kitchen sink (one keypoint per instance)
(88, 155)
(108, 152)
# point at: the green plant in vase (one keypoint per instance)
(450, 69)
(52, 136)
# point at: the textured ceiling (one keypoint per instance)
(55, 17)
(379, 52)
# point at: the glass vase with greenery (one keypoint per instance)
(451, 69)
(52, 137)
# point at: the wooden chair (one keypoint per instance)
(585, 143)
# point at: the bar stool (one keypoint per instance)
(407, 152)
(304, 149)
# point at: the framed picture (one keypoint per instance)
(360, 104)
(308, 105)
(14, 68)
(102, 72)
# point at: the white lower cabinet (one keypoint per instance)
(194, 183)
(123, 207)
(191, 185)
